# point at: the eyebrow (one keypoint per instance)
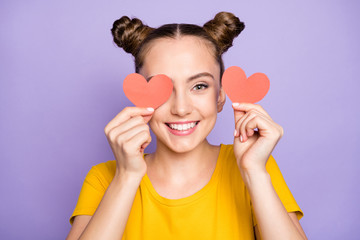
(203, 74)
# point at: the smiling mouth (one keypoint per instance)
(182, 126)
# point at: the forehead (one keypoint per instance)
(181, 56)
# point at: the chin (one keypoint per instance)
(182, 146)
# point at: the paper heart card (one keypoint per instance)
(239, 88)
(152, 93)
(158, 89)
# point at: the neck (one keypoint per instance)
(174, 166)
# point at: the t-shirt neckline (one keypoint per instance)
(186, 200)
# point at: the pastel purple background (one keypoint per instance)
(61, 83)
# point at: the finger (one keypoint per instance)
(147, 118)
(238, 114)
(250, 132)
(240, 126)
(128, 113)
(237, 125)
(143, 147)
(139, 141)
(244, 127)
(125, 126)
(256, 121)
(252, 112)
(246, 107)
(130, 133)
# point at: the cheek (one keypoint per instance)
(208, 105)
(157, 117)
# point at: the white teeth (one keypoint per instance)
(182, 127)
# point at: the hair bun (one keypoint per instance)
(129, 33)
(224, 28)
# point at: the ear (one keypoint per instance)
(221, 100)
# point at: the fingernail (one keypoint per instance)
(235, 132)
(150, 109)
(241, 139)
(236, 104)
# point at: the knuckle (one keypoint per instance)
(106, 130)
(126, 109)
(112, 136)
(281, 131)
(258, 106)
(123, 112)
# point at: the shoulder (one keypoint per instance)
(227, 160)
(226, 150)
(102, 173)
(106, 168)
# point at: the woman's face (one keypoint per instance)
(186, 119)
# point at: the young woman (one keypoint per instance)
(187, 188)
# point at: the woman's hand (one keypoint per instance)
(128, 135)
(253, 148)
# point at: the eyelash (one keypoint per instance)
(202, 85)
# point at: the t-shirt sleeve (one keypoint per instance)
(92, 191)
(281, 189)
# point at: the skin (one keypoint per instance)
(182, 165)
(178, 167)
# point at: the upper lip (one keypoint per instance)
(181, 122)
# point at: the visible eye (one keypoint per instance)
(200, 86)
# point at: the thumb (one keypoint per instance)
(148, 116)
(237, 113)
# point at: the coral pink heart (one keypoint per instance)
(147, 94)
(242, 89)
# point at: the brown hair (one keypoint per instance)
(135, 37)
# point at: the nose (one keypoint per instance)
(181, 103)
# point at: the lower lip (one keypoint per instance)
(182, 133)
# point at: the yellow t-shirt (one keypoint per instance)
(220, 210)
